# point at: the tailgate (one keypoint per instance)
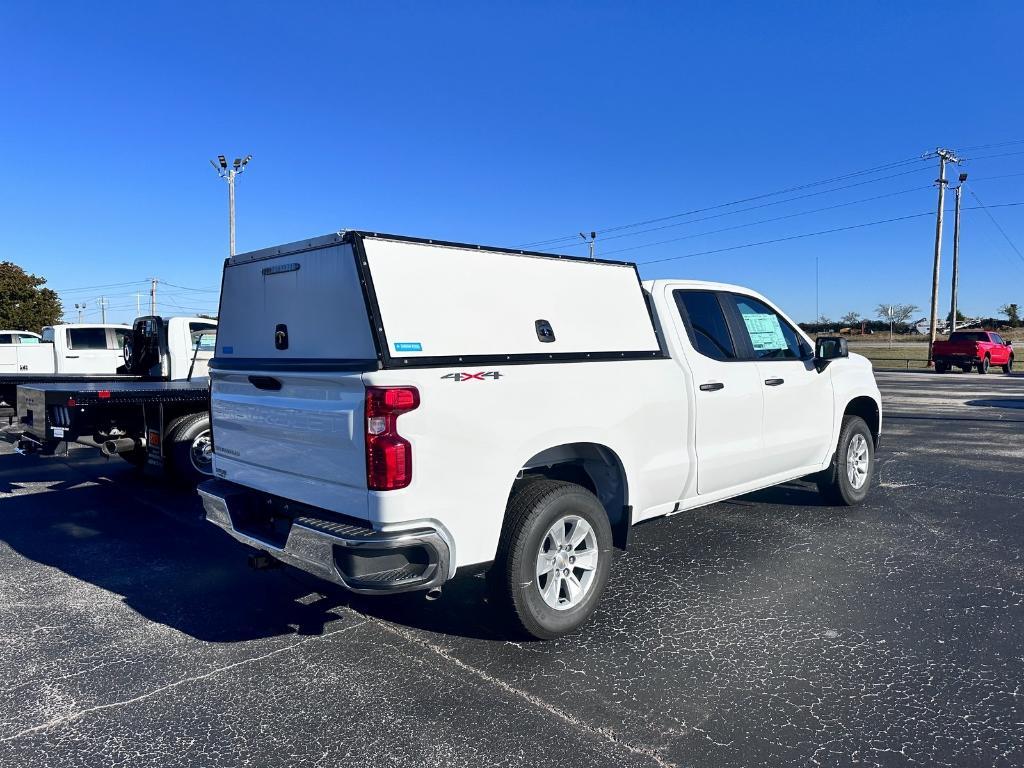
(303, 440)
(287, 396)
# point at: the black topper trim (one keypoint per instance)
(529, 358)
(328, 364)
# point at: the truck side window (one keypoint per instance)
(121, 336)
(997, 338)
(706, 324)
(771, 337)
(25, 339)
(6, 338)
(87, 338)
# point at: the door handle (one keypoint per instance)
(71, 357)
(713, 386)
(774, 382)
(266, 382)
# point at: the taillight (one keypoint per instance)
(388, 454)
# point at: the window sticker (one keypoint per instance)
(408, 346)
(765, 332)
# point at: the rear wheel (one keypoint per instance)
(553, 558)
(848, 478)
(984, 365)
(1009, 365)
(190, 448)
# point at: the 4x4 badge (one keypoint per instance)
(480, 376)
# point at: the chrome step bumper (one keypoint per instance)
(348, 553)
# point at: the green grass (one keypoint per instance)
(898, 357)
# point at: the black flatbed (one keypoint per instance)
(9, 383)
(126, 390)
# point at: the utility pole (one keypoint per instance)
(590, 242)
(228, 173)
(138, 304)
(103, 310)
(945, 156)
(956, 253)
(891, 312)
(152, 296)
(817, 308)
(80, 308)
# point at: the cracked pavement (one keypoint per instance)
(766, 630)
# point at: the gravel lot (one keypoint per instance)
(768, 630)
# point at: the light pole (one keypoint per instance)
(956, 253)
(80, 308)
(228, 173)
(590, 242)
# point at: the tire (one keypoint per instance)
(835, 484)
(1009, 365)
(189, 454)
(545, 606)
(984, 365)
(941, 366)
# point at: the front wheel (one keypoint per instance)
(848, 478)
(1009, 365)
(984, 365)
(553, 558)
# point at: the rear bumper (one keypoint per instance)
(343, 551)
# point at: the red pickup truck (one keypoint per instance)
(973, 349)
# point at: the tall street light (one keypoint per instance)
(228, 173)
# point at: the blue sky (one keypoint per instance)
(510, 124)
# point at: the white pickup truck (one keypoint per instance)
(389, 411)
(63, 352)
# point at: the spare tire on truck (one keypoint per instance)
(188, 448)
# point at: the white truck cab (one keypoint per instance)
(73, 348)
(388, 412)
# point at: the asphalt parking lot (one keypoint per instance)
(768, 630)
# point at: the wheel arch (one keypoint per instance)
(594, 466)
(868, 409)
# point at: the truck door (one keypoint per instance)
(798, 399)
(727, 393)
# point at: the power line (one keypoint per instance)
(798, 236)
(754, 223)
(96, 287)
(996, 223)
(186, 288)
(797, 188)
(765, 221)
(993, 146)
(781, 239)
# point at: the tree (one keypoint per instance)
(901, 313)
(851, 318)
(25, 305)
(1012, 311)
(824, 320)
(959, 317)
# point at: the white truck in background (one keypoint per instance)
(388, 412)
(153, 412)
(62, 353)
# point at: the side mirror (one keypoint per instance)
(829, 348)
